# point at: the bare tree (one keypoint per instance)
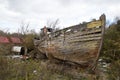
(24, 28)
(4, 32)
(53, 24)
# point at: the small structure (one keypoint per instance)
(9, 45)
(17, 47)
(4, 45)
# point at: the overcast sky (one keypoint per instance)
(69, 12)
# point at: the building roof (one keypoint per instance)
(4, 39)
(16, 40)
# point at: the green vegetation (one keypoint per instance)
(111, 50)
(28, 41)
(27, 70)
(111, 47)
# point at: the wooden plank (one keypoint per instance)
(94, 24)
(89, 39)
(85, 36)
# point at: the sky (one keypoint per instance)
(40, 12)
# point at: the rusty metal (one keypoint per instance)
(79, 44)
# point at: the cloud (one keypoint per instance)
(69, 12)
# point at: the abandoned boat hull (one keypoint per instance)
(80, 44)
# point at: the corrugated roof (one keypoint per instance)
(15, 40)
(4, 39)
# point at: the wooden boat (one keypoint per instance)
(79, 44)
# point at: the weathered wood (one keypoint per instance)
(78, 44)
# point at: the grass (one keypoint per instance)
(26, 70)
(16, 69)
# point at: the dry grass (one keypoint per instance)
(26, 70)
(15, 69)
